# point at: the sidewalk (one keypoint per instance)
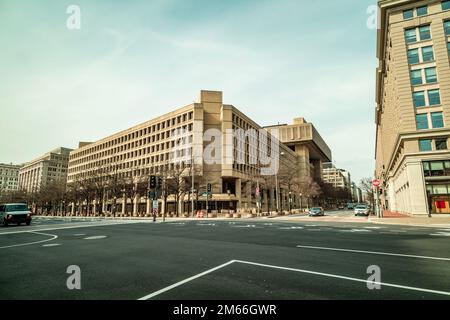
(435, 221)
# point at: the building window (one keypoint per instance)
(434, 97)
(436, 168)
(408, 14)
(422, 121)
(425, 145)
(419, 99)
(430, 75)
(427, 54)
(446, 5)
(447, 28)
(416, 77)
(448, 48)
(441, 144)
(437, 120)
(422, 11)
(410, 35)
(413, 56)
(425, 33)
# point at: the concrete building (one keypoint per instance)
(357, 196)
(236, 172)
(413, 106)
(9, 177)
(52, 166)
(338, 178)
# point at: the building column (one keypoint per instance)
(104, 206)
(72, 209)
(124, 203)
(273, 203)
(238, 193)
(135, 204)
(94, 207)
(264, 201)
(148, 206)
(416, 189)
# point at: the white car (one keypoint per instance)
(15, 213)
(362, 210)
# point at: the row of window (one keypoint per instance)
(179, 132)
(422, 76)
(438, 189)
(432, 120)
(433, 144)
(427, 98)
(423, 10)
(421, 33)
(436, 168)
(132, 154)
(420, 55)
(420, 11)
(142, 132)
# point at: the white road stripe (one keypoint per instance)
(53, 237)
(71, 227)
(375, 252)
(346, 278)
(154, 294)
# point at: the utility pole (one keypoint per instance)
(193, 183)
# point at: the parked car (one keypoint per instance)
(362, 210)
(341, 207)
(15, 213)
(316, 211)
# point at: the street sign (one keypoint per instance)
(376, 183)
(155, 204)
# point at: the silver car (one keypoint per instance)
(316, 211)
(362, 210)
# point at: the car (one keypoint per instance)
(362, 210)
(15, 213)
(341, 207)
(316, 211)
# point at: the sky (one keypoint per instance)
(131, 61)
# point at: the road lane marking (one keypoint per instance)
(53, 237)
(441, 234)
(71, 227)
(51, 245)
(156, 293)
(330, 275)
(375, 252)
(290, 228)
(356, 230)
(94, 237)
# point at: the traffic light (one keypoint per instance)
(158, 182)
(152, 182)
(209, 188)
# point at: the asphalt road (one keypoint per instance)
(233, 259)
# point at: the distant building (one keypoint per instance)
(52, 166)
(356, 193)
(153, 148)
(338, 178)
(9, 177)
